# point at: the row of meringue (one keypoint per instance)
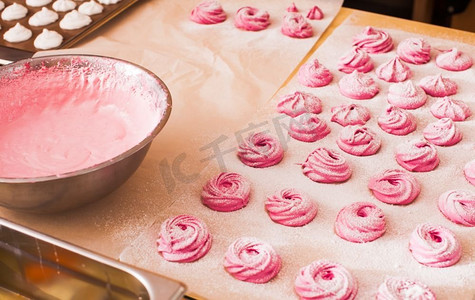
(231, 191)
(47, 39)
(185, 238)
(46, 16)
(253, 19)
(411, 50)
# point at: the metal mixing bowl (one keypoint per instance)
(55, 193)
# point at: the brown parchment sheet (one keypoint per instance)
(369, 263)
(217, 75)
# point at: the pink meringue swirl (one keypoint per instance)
(356, 59)
(443, 132)
(358, 140)
(394, 187)
(414, 50)
(308, 128)
(208, 12)
(438, 86)
(251, 260)
(251, 19)
(453, 60)
(360, 222)
(314, 74)
(458, 206)
(406, 95)
(226, 192)
(469, 171)
(183, 238)
(260, 150)
(417, 155)
(292, 8)
(398, 288)
(434, 246)
(373, 40)
(446, 107)
(290, 207)
(350, 114)
(397, 121)
(326, 166)
(315, 13)
(299, 103)
(323, 279)
(358, 86)
(393, 70)
(294, 25)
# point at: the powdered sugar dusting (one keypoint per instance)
(370, 263)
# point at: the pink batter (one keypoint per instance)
(56, 121)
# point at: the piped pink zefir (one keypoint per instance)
(294, 25)
(226, 192)
(252, 260)
(251, 19)
(358, 86)
(395, 186)
(183, 238)
(397, 121)
(360, 222)
(208, 12)
(434, 246)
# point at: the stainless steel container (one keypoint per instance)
(36, 266)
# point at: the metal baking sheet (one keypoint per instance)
(10, 52)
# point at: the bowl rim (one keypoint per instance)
(148, 139)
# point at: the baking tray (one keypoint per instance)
(36, 266)
(10, 52)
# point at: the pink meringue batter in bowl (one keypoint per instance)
(74, 128)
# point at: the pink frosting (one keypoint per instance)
(260, 150)
(226, 192)
(395, 187)
(373, 40)
(445, 107)
(314, 74)
(356, 59)
(299, 103)
(350, 114)
(308, 128)
(290, 207)
(358, 140)
(208, 12)
(453, 60)
(323, 279)
(183, 238)
(414, 50)
(315, 13)
(326, 166)
(358, 86)
(434, 246)
(417, 155)
(292, 8)
(251, 260)
(458, 206)
(469, 171)
(360, 222)
(394, 288)
(393, 70)
(397, 121)
(443, 132)
(438, 86)
(294, 25)
(406, 95)
(251, 19)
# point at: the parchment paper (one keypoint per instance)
(217, 75)
(371, 262)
